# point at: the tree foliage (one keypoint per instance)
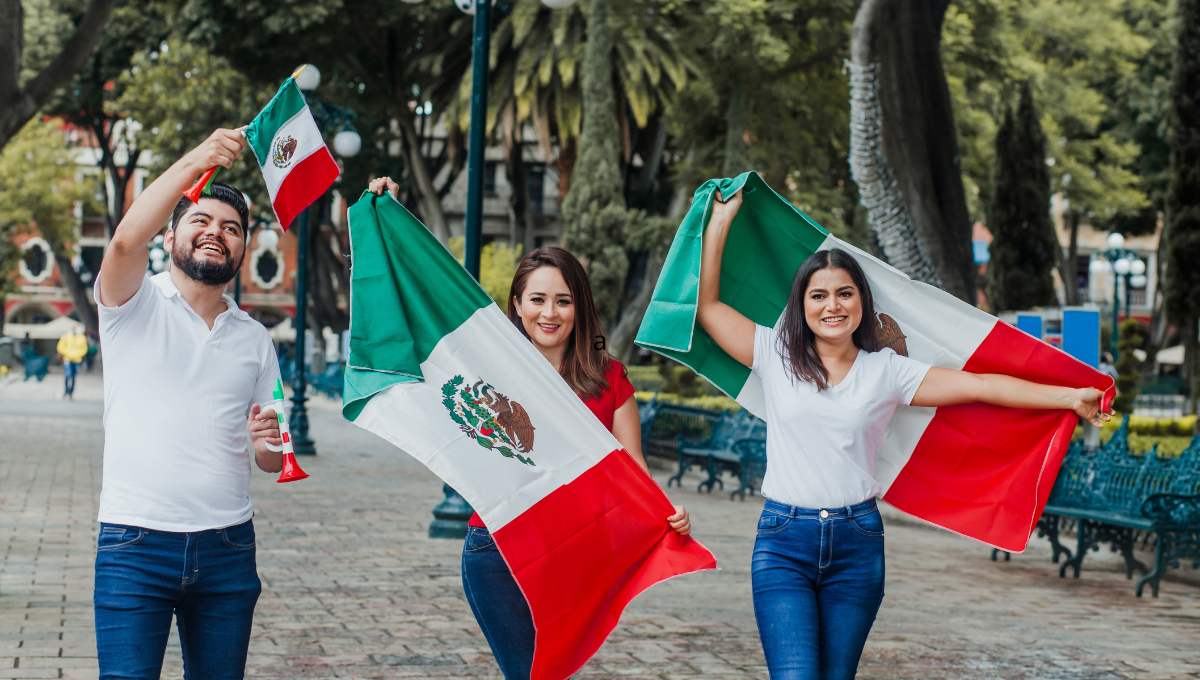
(38, 188)
(595, 218)
(1127, 373)
(1024, 246)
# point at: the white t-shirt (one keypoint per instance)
(822, 446)
(176, 399)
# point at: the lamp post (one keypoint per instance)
(451, 515)
(1122, 262)
(346, 143)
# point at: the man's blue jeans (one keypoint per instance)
(207, 579)
(818, 583)
(498, 604)
(70, 369)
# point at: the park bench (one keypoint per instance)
(715, 452)
(1111, 496)
(330, 382)
(660, 436)
(752, 456)
(36, 365)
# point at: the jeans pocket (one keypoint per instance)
(769, 522)
(116, 536)
(478, 539)
(240, 537)
(870, 524)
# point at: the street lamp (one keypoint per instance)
(350, 144)
(158, 256)
(1123, 262)
(451, 515)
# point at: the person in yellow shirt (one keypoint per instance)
(73, 347)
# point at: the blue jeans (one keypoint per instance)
(818, 583)
(498, 604)
(70, 368)
(207, 579)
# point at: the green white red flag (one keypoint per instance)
(979, 470)
(438, 370)
(295, 163)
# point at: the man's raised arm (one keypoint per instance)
(125, 258)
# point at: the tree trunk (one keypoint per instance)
(736, 161)
(1067, 265)
(78, 291)
(427, 196)
(17, 104)
(621, 338)
(910, 180)
(565, 163)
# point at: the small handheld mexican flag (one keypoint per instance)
(295, 163)
(291, 470)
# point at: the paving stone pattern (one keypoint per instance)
(353, 588)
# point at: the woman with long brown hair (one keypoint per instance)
(831, 388)
(550, 302)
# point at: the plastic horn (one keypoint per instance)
(291, 469)
(202, 185)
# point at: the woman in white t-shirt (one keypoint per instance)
(831, 388)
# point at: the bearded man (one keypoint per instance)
(184, 373)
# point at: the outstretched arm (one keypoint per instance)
(126, 257)
(727, 326)
(944, 387)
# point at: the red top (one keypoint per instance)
(604, 406)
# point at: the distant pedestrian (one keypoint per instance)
(73, 347)
(89, 360)
(184, 373)
(1106, 365)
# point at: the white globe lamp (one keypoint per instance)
(1121, 266)
(309, 78)
(267, 238)
(1098, 266)
(347, 143)
(1137, 281)
(558, 4)
(1137, 268)
(1115, 240)
(466, 6)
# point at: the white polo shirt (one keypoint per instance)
(176, 399)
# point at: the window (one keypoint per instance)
(489, 178)
(535, 182)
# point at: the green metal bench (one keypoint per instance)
(716, 451)
(1110, 495)
(752, 458)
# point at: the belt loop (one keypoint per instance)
(849, 512)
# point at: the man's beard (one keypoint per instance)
(207, 272)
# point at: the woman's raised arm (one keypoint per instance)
(732, 331)
(945, 386)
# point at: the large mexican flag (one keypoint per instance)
(295, 163)
(438, 370)
(978, 470)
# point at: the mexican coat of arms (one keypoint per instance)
(493, 420)
(282, 151)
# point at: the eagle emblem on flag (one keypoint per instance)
(283, 150)
(493, 420)
(891, 335)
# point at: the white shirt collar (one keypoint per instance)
(169, 290)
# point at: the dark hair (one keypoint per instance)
(797, 342)
(220, 192)
(584, 367)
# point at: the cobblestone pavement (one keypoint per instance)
(353, 588)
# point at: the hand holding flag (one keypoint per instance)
(221, 149)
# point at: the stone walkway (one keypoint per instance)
(353, 588)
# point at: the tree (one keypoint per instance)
(38, 188)
(89, 99)
(1084, 61)
(904, 152)
(1127, 373)
(1024, 246)
(595, 217)
(178, 94)
(28, 81)
(1182, 286)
